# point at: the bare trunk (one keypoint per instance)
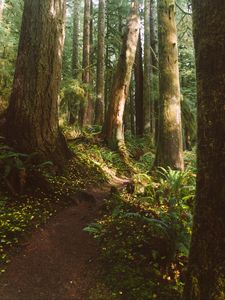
(86, 61)
(147, 66)
(121, 81)
(76, 34)
(138, 74)
(154, 71)
(89, 115)
(206, 274)
(169, 148)
(1, 8)
(32, 118)
(100, 101)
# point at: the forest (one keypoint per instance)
(112, 150)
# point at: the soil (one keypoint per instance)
(60, 260)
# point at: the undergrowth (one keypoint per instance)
(144, 232)
(31, 192)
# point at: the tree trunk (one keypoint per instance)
(89, 116)
(121, 81)
(138, 74)
(75, 58)
(147, 66)
(154, 104)
(169, 148)
(132, 112)
(86, 62)
(1, 8)
(76, 34)
(100, 101)
(206, 274)
(32, 117)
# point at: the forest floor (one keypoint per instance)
(99, 231)
(60, 260)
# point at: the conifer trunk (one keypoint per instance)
(76, 34)
(147, 65)
(1, 8)
(83, 116)
(100, 101)
(169, 148)
(121, 82)
(139, 88)
(32, 117)
(154, 71)
(206, 274)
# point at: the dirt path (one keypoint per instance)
(60, 261)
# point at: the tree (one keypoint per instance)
(147, 65)
(120, 86)
(75, 59)
(154, 111)
(100, 89)
(169, 146)
(139, 81)
(76, 34)
(32, 116)
(206, 274)
(1, 8)
(86, 62)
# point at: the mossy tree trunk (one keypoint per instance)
(139, 88)
(32, 116)
(147, 66)
(206, 274)
(169, 146)
(100, 101)
(120, 87)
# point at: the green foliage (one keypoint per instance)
(9, 37)
(145, 237)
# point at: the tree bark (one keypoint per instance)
(100, 101)
(139, 88)
(147, 66)
(206, 272)
(32, 117)
(76, 34)
(121, 81)
(86, 62)
(2, 2)
(169, 149)
(154, 104)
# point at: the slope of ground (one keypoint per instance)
(60, 261)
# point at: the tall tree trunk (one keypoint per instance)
(89, 116)
(138, 74)
(154, 71)
(1, 8)
(75, 58)
(100, 101)
(121, 81)
(147, 66)
(132, 111)
(32, 117)
(169, 148)
(206, 274)
(86, 61)
(107, 75)
(76, 34)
